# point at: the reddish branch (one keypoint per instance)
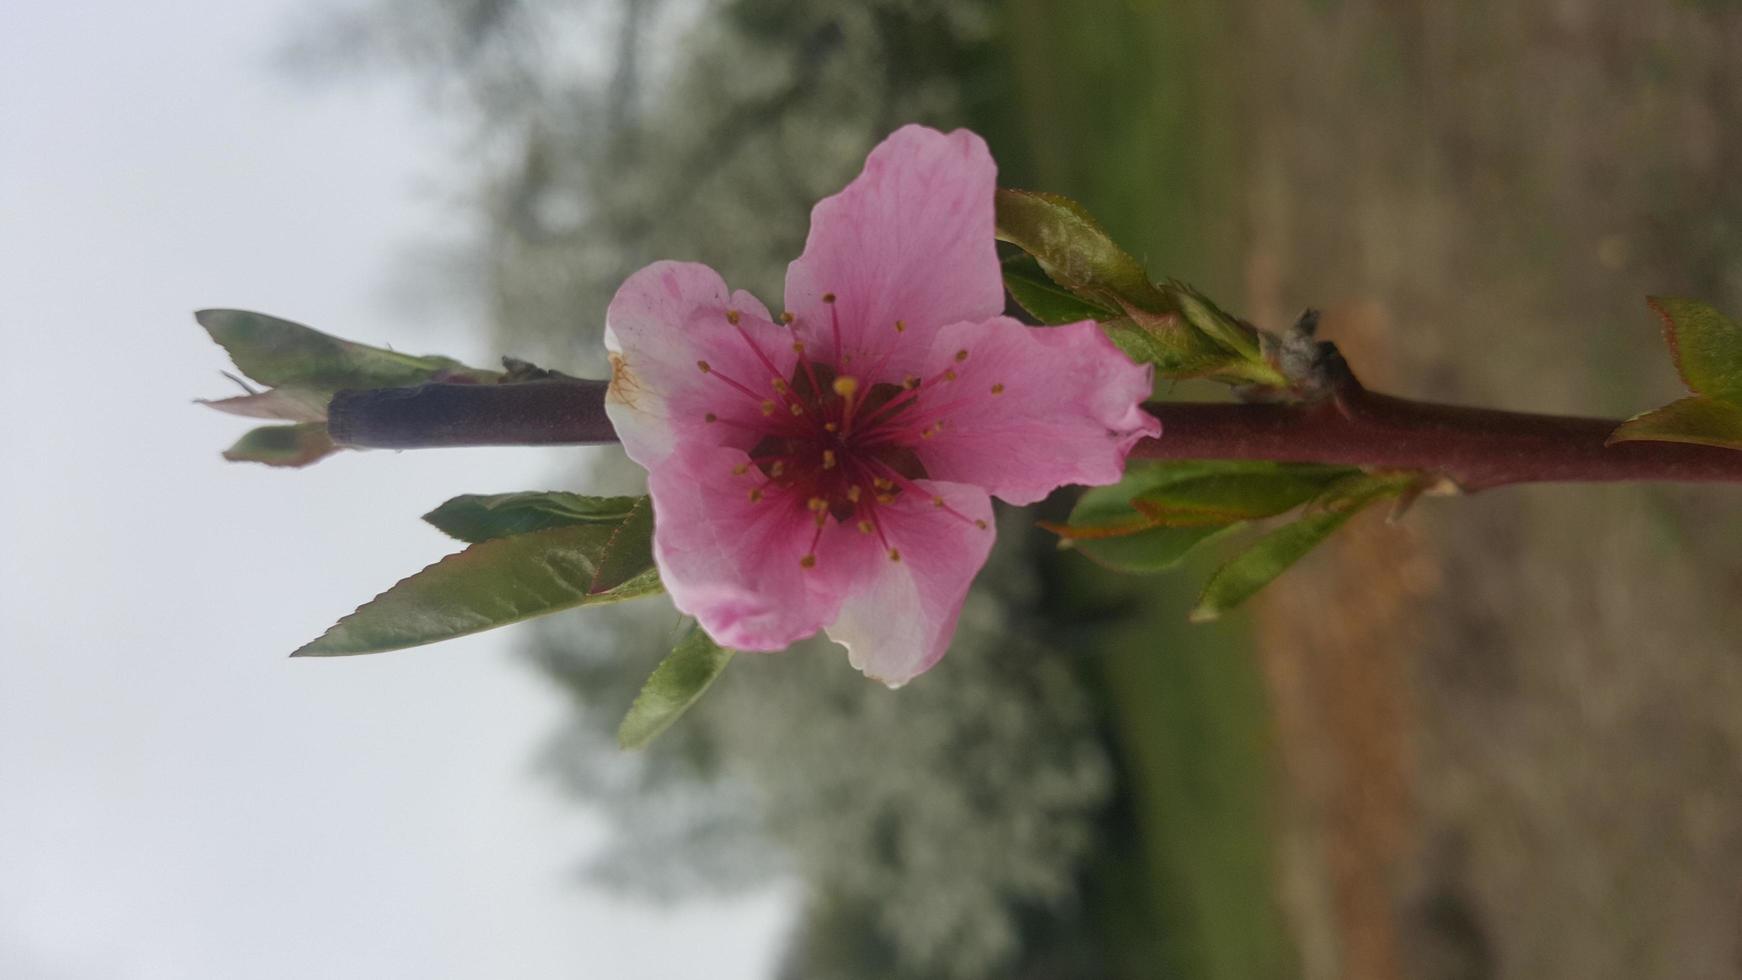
(1476, 448)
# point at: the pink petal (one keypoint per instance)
(899, 621)
(1031, 408)
(735, 564)
(910, 240)
(663, 323)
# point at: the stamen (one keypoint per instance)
(786, 317)
(828, 459)
(950, 375)
(767, 407)
(846, 385)
(998, 389)
(982, 525)
(937, 501)
(755, 494)
(831, 427)
(817, 504)
(796, 408)
(778, 468)
(854, 492)
(704, 366)
(741, 469)
(710, 417)
(808, 561)
(865, 527)
(900, 325)
(733, 317)
(961, 356)
(894, 554)
(828, 297)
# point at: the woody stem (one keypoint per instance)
(1477, 448)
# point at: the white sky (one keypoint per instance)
(178, 799)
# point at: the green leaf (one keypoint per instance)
(1702, 421)
(289, 404)
(1706, 344)
(1232, 334)
(283, 445)
(1271, 555)
(1155, 549)
(1161, 511)
(678, 682)
(284, 354)
(497, 582)
(1224, 491)
(1167, 341)
(478, 517)
(1075, 251)
(1048, 303)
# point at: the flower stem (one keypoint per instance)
(1476, 448)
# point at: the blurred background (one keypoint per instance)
(1500, 739)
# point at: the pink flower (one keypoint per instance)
(830, 469)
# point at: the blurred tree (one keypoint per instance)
(941, 832)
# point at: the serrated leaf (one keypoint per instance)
(1706, 345)
(1168, 342)
(480, 517)
(1701, 421)
(281, 353)
(678, 682)
(495, 583)
(1075, 251)
(1232, 334)
(1050, 304)
(1274, 553)
(283, 445)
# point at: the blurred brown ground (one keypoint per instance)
(1511, 725)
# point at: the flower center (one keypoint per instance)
(839, 444)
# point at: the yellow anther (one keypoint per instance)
(900, 325)
(778, 468)
(798, 347)
(910, 382)
(711, 417)
(741, 469)
(787, 317)
(828, 297)
(854, 492)
(865, 527)
(817, 504)
(778, 384)
(982, 525)
(797, 409)
(704, 366)
(808, 561)
(828, 459)
(937, 501)
(755, 495)
(767, 408)
(998, 389)
(732, 317)
(831, 427)
(894, 554)
(882, 484)
(846, 386)
(886, 498)
(950, 375)
(961, 356)
(928, 431)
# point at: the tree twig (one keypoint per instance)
(1476, 448)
